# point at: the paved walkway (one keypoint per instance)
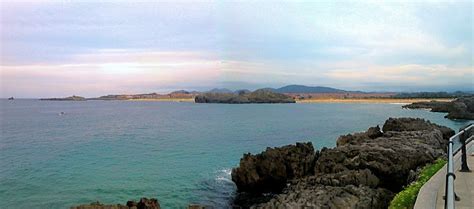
(463, 186)
(431, 194)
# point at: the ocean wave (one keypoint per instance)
(217, 190)
(224, 175)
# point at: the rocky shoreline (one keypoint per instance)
(364, 170)
(460, 108)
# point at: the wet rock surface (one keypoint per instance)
(365, 170)
(460, 108)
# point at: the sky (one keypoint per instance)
(88, 48)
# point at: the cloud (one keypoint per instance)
(421, 75)
(133, 47)
(109, 71)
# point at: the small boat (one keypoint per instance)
(11, 98)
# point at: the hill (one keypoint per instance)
(71, 98)
(308, 89)
(258, 96)
(220, 90)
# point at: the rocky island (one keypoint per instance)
(244, 97)
(460, 108)
(173, 96)
(71, 98)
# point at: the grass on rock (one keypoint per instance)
(407, 197)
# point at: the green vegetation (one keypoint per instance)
(244, 97)
(407, 197)
(71, 98)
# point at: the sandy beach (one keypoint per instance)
(373, 100)
(165, 100)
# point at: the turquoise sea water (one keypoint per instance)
(180, 153)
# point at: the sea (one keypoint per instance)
(55, 154)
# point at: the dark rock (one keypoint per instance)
(350, 196)
(270, 170)
(415, 124)
(374, 132)
(460, 108)
(197, 206)
(371, 133)
(98, 205)
(247, 200)
(71, 98)
(144, 203)
(389, 157)
(346, 177)
(148, 204)
(363, 171)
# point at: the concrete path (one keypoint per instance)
(431, 194)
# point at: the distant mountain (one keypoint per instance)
(308, 89)
(180, 92)
(218, 90)
(242, 91)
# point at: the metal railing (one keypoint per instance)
(450, 195)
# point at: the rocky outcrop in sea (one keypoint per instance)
(460, 108)
(71, 98)
(365, 170)
(244, 97)
(144, 203)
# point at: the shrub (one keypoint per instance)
(407, 197)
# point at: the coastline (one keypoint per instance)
(371, 100)
(163, 100)
(322, 100)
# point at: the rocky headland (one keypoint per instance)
(181, 94)
(364, 170)
(71, 98)
(244, 97)
(460, 108)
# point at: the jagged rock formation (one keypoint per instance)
(270, 170)
(460, 108)
(243, 97)
(415, 124)
(363, 171)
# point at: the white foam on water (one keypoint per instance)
(224, 175)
